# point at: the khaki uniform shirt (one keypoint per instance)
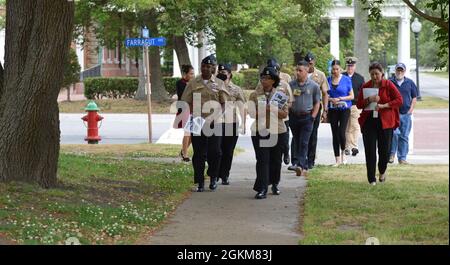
(213, 90)
(259, 97)
(237, 98)
(320, 78)
(285, 77)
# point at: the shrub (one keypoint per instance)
(170, 84)
(238, 79)
(251, 78)
(112, 87)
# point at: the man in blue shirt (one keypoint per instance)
(408, 90)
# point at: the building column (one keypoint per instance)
(334, 37)
(404, 34)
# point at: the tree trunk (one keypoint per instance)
(158, 90)
(38, 35)
(181, 49)
(361, 40)
(68, 93)
(140, 93)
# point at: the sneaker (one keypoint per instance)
(403, 162)
(391, 159)
(382, 178)
(347, 152)
(374, 183)
(355, 151)
(292, 168)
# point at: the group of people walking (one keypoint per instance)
(279, 104)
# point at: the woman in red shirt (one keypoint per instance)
(377, 125)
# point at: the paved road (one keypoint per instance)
(430, 134)
(431, 85)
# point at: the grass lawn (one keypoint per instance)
(116, 106)
(99, 200)
(412, 207)
(438, 74)
(123, 150)
(428, 102)
(130, 151)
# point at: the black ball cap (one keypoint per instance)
(273, 63)
(211, 59)
(270, 71)
(225, 67)
(309, 57)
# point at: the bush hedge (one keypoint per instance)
(170, 84)
(251, 78)
(111, 87)
(238, 79)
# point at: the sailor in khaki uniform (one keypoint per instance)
(234, 107)
(205, 95)
(284, 83)
(266, 132)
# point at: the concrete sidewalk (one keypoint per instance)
(230, 215)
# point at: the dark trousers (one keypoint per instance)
(373, 135)
(268, 163)
(285, 140)
(228, 144)
(312, 145)
(301, 127)
(206, 148)
(338, 121)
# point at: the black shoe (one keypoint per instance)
(275, 190)
(354, 151)
(212, 184)
(200, 187)
(286, 159)
(261, 195)
(347, 152)
(225, 182)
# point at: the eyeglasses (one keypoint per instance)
(265, 77)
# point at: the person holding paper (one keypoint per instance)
(230, 133)
(205, 94)
(377, 123)
(340, 102)
(187, 72)
(269, 107)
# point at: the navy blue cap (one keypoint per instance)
(309, 57)
(211, 59)
(273, 74)
(400, 65)
(225, 67)
(273, 63)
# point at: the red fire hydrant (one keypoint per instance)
(92, 119)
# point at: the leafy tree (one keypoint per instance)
(435, 11)
(71, 71)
